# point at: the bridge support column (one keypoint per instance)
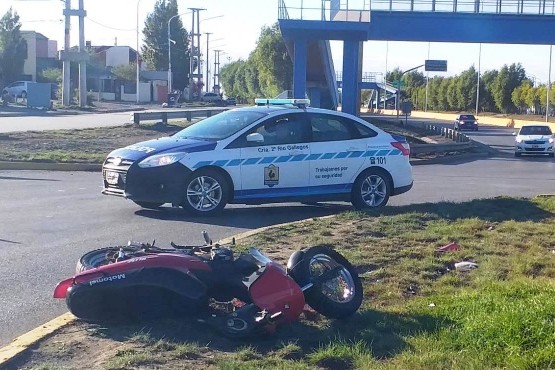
(299, 69)
(352, 73)
(314, 94)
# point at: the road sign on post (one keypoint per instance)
(435, 65)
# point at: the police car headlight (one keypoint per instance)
(519, 140)
(161, 160)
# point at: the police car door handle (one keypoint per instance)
(295, 152)
(354, 149)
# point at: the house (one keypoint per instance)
(42, 53)
(100, 78)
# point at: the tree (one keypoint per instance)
(507, 80)
(52, 75)
(127, 72)
(519, 96)
(155, 48)
(487, 82)
(272, 61)
(13, 48)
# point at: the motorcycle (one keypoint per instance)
(141, 281)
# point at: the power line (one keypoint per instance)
(111, 28)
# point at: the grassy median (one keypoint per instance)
(93, 145)
(418, 311)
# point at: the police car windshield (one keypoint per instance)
(220, 126)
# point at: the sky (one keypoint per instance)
(235, 26)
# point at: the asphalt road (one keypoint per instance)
(49, 219)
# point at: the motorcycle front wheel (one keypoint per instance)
(101, 257)
(339, 296)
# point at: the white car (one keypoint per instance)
(278, 151)
(17, 89)
(534, 139)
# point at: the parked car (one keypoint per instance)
(211, 97)
(18, 89)
(534, 139)
(280, 151)
(466, 121)
(230, 101)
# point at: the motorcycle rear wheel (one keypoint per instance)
(336, 298)
(100, 257)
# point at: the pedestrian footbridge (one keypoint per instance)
(309, 25)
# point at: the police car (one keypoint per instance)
(280, 150)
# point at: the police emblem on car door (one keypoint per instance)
(271, 175)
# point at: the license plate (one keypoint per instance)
(112, 177)
(535, 146)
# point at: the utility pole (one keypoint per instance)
(68, 56)
(66, 87)
(195, 51)
(207, 61)
(217, 69)
(82, 61)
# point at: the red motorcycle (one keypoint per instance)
(141, 281)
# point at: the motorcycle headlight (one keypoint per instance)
(161, 160)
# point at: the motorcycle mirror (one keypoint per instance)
(206, 237)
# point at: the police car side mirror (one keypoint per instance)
(514, 133)
(255, 138)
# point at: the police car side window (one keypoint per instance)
(336, 128)
(284, 129)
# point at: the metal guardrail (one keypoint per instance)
(439, 148)
(449, 133)
(188, 114)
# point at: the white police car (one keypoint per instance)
(278, 151)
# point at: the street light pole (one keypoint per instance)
(478, 84)
(548, 86)
(399, 87)
(170, 57)
(137, 53)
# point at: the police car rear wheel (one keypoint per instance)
(371, 190)
(206, 193)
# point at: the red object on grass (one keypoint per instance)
(448, 247)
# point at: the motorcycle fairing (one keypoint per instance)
(137, 294)
(180, 262)
(272, 290)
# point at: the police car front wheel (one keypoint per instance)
(371, 190)
(206, 193)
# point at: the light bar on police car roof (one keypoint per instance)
(298, 102)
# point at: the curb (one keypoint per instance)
(22, 343)
(46, 166)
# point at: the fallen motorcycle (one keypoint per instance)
(142, 281)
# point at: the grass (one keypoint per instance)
(78, 146)
(418, 311)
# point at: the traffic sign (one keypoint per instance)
(435, 65)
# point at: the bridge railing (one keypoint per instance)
(532, 7)
(360, 10)
(325, 10)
